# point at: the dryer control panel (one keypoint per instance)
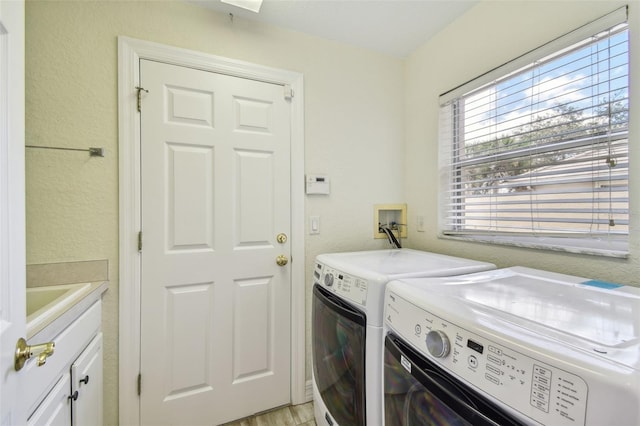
(347, 286)
(536, 389)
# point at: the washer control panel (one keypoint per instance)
(347, 286)
(539, 391)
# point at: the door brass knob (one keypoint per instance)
(281, 238)
(282, 260)
(25, 352)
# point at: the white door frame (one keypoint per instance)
(12, 208)
(130, 52)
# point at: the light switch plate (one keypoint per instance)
(314, 225)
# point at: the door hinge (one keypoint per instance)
(139, 91)
(139, 384)
(140, 241)
(288, 92)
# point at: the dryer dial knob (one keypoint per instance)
(437, 343)
(328, 280)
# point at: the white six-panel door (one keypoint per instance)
(215, 326)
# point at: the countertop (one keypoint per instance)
(61, 317)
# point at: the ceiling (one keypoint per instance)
(393, 27)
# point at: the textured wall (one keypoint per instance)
(460, 53)
(353, 128)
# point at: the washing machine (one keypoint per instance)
(347, 322)
(514, 346)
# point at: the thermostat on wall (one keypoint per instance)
(318, 184)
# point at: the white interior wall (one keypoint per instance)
(488, 35)
(354, 129)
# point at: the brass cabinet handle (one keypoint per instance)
(25, 352)
(282, 260)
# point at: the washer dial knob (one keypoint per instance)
(437, 343)
(328, 280)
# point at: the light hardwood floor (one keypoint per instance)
(294, 415)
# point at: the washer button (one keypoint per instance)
(473, 361)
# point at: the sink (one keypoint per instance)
(38, 298)
(47, 302)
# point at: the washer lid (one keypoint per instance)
(602, 313)
(402, 263)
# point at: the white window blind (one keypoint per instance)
(538, 156)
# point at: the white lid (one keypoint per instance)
(402, 263)
(602, 313)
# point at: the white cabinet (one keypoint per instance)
(86, 385)
(54, 410)
(70, 383)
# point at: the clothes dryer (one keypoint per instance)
(347, 322)
(514, 346)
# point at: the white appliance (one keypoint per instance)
(347, 326)
(511, 346)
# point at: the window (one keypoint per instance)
(535, 153)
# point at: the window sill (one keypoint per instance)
(593, 247)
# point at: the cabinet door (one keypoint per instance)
(86, 379)
(55, 408)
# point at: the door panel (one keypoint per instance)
(253, 115)
(253, 346)
(215, 181)
(190, 197)
(187, 306)
(189, 106)
(254, 187)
